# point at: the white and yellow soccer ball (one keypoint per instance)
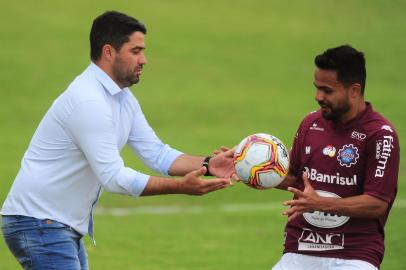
(261, 161)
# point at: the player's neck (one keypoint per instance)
(355, 110)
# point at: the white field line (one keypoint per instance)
(222, 208)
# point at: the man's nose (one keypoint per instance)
(319, 96)
(143, 60)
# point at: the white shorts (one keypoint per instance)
(293, 261)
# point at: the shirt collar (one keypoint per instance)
(105, 79)
(356, 121)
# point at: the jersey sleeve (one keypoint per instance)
(382, 165)
(295, 152)
(297, 146)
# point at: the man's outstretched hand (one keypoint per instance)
(304, 201)
(193, 184)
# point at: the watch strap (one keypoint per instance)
(206, 164)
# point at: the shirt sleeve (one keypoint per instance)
(382, 166)
(295, 152)
(148, 147)
(92, 128)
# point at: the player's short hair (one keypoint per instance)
(347, 62)
(112, 28)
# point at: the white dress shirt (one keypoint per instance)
(75, 153)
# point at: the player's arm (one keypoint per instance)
(357, 206)
(364, 206)
(288, 181)
(294, 156)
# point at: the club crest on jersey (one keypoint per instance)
(329, 150)
(348, 155)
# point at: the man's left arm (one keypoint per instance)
(168, 161)
(220, 165)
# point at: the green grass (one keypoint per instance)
(218, 71)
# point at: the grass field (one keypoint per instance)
(218, 71)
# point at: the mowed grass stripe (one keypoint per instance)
(180, 209)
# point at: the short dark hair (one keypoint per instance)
(112, 28)
(347, 62)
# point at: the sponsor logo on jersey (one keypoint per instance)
(348, 155)
(315, 127)
(358, 135)
(319, 241)
(337, 179)
(325, 220)
(378, 149)
(387, 127)
(307, 150)
(384, 155)
(329, 150)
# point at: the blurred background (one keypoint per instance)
(217, 72)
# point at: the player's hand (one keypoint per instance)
(193, 184)
(222, 163)
(304, 201)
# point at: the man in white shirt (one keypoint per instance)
(75, 153)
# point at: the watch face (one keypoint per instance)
(206, 164)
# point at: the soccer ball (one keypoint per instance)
(261, 161)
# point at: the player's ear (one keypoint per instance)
(355, 90)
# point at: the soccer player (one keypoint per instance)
(74, 154)
(343, 173)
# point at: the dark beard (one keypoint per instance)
(121, 75)
(128, 80)
(335, 114)
(133, 79)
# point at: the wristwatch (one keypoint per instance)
(206, 164)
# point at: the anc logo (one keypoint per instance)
(348, 155)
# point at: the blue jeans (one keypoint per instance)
(44, 244)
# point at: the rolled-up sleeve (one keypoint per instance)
(92, 128)
(148, 147)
